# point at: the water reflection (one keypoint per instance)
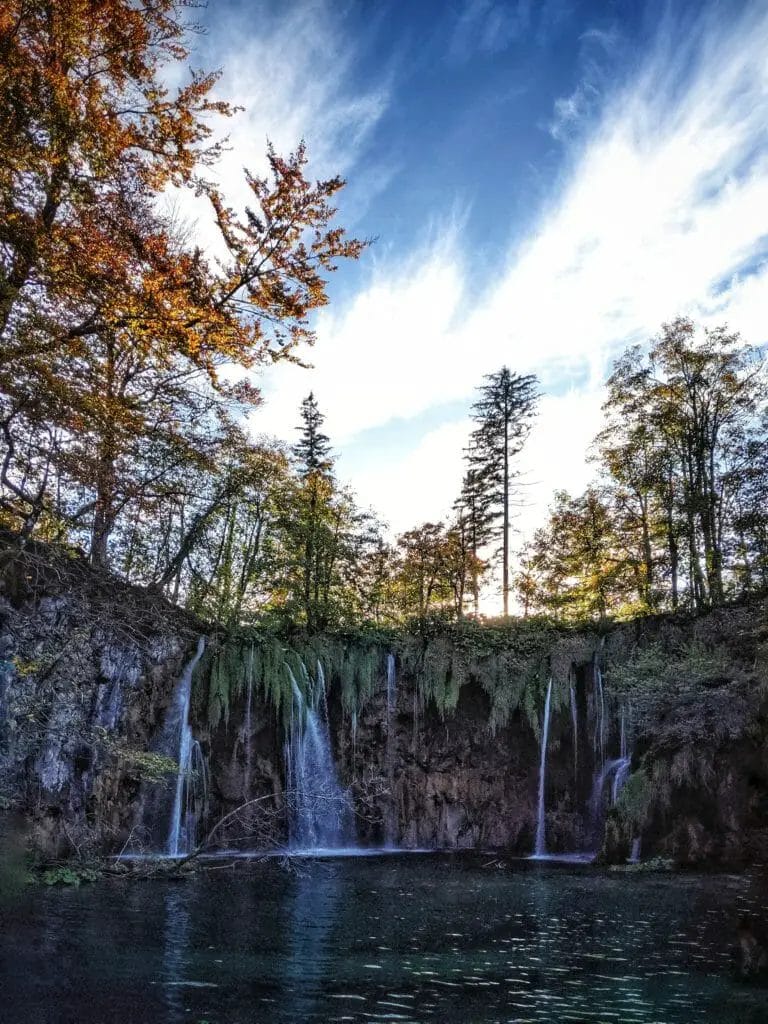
(433, 939)
(175, 956)
(312, 909)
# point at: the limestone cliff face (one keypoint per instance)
(657, 741)
(87, 666)
(656, 737)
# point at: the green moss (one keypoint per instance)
(510, 662)
(636, 799)
(147, 766)
(69, 875)
(657, 668)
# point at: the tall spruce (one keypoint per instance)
(312, 453)
(313, 449)
(474, 521)
(503, 414)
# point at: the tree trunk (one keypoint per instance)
(505, 568)
(105, 514)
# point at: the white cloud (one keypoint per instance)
(426, 479)
(292, 70)
(388, 354)
(664, 212)
(488, 26)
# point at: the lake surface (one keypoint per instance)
(401, 939)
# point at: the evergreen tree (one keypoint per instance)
(315, 516)
(474, 523)
(313, 449)
(503, 414)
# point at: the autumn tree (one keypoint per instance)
(574, 567)
(503, 414)
(107, 311)
(422, 585)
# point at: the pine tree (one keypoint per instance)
(315, 465)
(313, 449)
(503, 414)
(474, 521)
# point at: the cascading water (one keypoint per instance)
(181, 832)
(391, 689)
(319, 810)
(248, 729)
(575, 724)
(609, 780)
(390, 825)
(599, 743)
(540, 848)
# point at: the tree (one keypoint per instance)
(474, 523)
(312, 454)
(503, 413)
(682, 451)
(574, 567)
(107, 311)
(420, 575)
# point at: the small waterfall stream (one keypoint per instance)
(248, 730)
(610, 779)
(540, 848)
(575, 726)
(319, 810)
(390, 825)
(189, 755)
(599, 715)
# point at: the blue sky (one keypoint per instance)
(547, 182)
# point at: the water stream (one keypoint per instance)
(320, 815)
(540, 848)
(390, 824)
(181, 831)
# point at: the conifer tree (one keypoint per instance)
(474, 522)
(316, 522)
(503, 413)
(313, 449)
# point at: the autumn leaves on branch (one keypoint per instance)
(114, 325)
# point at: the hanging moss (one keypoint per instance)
(510, 662)
(361, 669)
(635, 800)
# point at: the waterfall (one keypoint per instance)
(634, 856)
(247, 730)
(575, 722)
(319, 810)
(390, 825)
(541, 843)
(599, 697)
(619, 778)
(181, 832)
(615, 772)
(391, 688)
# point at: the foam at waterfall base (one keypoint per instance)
(319, 853)
(564, 858)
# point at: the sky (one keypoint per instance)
(546, 182)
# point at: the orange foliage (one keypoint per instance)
(97, 289)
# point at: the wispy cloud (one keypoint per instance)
(662, 212)
(293, 69)
(488, 26)
(600, 50)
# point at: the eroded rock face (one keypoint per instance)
(87, 665)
